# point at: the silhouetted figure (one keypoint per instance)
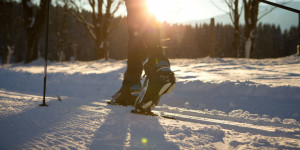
(144, 52)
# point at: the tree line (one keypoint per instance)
(77, 34)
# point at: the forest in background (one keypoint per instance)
(67, 34)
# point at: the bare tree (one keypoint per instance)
(251, 9)
(34, 20)
(101, 25)
(10, 30)
(235, 14)
(251, 12)
(251, 18)
(7, 18)
(61, 29)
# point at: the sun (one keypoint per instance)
(165, 10)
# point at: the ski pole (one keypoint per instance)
(46, 54)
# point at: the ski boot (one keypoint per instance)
(127, 95)
(158, 80)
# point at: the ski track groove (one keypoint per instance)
(83, 121)
(74, 133)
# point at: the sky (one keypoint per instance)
(175, 11)
(179, 11)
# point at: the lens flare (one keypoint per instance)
(165, 10)
(144, 140)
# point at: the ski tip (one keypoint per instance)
(143, 113)
(113, 103)
(169, 117)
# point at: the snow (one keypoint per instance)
(220, 104)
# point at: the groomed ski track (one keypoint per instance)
(218, 104)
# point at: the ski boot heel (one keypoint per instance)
(153, 88)
(167, 83)
(127, 95)
(162, 76)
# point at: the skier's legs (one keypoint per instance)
(135, 60)
(144, 26)
(145, 32)
(136, 47)
(144, 41)
(136, 55)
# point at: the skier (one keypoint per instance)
(144, 52)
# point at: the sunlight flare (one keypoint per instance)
(175, 11)
(144, 140)
(165, 10)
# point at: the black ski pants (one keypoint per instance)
(144, 39)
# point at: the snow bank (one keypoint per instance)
(219, 103)
(236, 97)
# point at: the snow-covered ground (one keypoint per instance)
(219, 103)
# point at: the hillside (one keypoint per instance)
(281, 17)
